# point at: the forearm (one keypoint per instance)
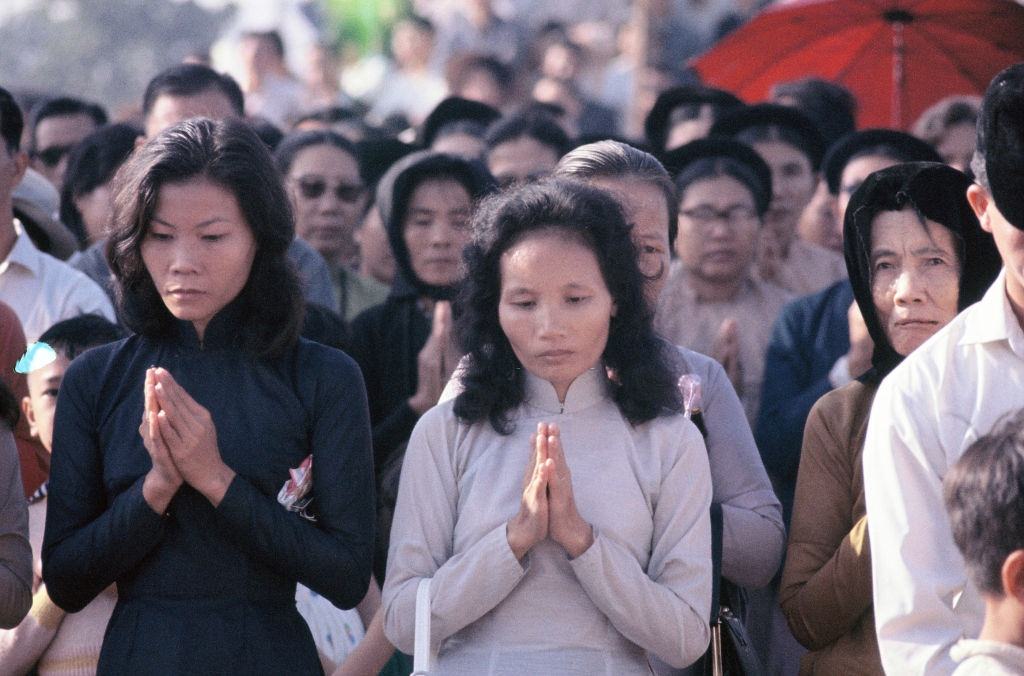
(465, 588)
(753, 541)
(671, 622)
(334, 563)
(82, 559)
(372, 653)
(22, 647)
(823, 604)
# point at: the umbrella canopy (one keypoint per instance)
(897, 56)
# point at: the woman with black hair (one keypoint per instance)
(183, 510)
(916, 256)
(86, 196)
(560, 502)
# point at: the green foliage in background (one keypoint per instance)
(365, 24)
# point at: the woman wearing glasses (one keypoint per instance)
(324, 180)
(713, 302)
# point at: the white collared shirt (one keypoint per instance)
(43, 290)
(928, 411)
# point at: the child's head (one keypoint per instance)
(984, 494)
(68, 339)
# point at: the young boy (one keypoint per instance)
(47, 640)
(984, 494)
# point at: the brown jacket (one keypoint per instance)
(826, 583)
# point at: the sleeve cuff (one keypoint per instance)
(141, 510)
(234, 506)
(588, 563)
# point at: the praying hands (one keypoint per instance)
(548, 508)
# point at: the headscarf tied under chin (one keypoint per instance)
(937, 193)
(393, 194)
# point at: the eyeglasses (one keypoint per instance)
(52, 156)
(314, 188)
(738, 216)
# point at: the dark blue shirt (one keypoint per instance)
(204, 589)
(810, 335)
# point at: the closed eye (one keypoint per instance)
(52, 392)
(160, 236)
(212, 238)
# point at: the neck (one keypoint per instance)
(1015, 295)
(7, 234)
(1003, 621)
(714, 291)
(200, 328)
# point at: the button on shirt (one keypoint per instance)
(43, 290)
(928, 411)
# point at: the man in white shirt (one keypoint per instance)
(946, 394)
(39, 288)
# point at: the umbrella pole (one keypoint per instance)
(898, 19)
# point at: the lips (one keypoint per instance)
(185, 294)
(554, 355)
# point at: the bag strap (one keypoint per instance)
(423, 656)
(716, 559)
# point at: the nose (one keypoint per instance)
(184, 259)
(549, 322)
(909, 288)
(441, 235)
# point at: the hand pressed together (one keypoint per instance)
(548, 507)
(181, 439)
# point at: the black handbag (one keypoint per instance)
(731, 653)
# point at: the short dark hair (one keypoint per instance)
(189, 79)
(461, 66)
(297, 141)
(271, 36)
(714, 167)
(984, 493)
(11, 121)
(72, 337)
(935, 122)
(229, 154)
(832, 106)
(92, 163)
(539, 126)
(64, 106)
(621, 161)
(643, 387)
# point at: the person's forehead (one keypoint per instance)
(63, 129)
(170, 109)
(42, 377)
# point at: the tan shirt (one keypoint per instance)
(825, 592)
(807, 269)
(685, 320)
(643, 585)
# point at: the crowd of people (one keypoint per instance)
(280, 366)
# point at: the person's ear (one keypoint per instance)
(30, 416)
(1013, 575)
(979, 200)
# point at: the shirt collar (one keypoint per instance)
(23, 253)
(994, 320)
(589, 387)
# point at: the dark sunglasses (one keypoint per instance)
(314, 188)
(53, 155)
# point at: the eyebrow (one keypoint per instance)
(209, 221)
(922, 251)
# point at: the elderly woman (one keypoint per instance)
(916, 256)
(170, 447)
(560, 502)
(324, 180)
(713, 301)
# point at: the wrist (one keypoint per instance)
(417, 404)
(580, 540)
(216, 487)
(157, 491)
(516, 542)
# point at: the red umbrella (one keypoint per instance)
(897, 56)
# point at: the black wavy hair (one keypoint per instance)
(92, 163)
(229, 154)
(297, 141)
(642, 386)
(72, 337)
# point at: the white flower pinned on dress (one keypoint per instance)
(690, 387)
(294, 495)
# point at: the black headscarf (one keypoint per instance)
(393, 194)
(938, 193)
